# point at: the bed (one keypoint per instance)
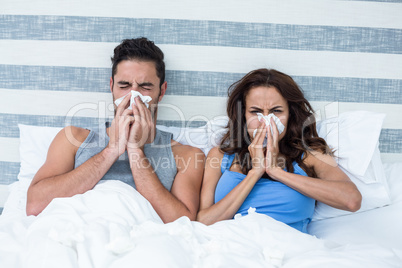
(55, 70)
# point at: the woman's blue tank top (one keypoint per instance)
(269, 197)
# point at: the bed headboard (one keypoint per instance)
(55, 59)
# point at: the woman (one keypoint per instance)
(282, 180)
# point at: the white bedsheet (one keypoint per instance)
(381, 226)
(114, 226)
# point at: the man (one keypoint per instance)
(166, 173)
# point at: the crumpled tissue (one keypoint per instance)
(267, 120)
(134, 94)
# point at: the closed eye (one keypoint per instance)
(123, 84)
(146, 85)
(254, 110)
(145, 88)
(276, 109)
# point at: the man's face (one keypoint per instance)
(139, 76)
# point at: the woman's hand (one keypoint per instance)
(271, 158)
(142, 127)
(257, 152)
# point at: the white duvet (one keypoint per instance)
(114, 226)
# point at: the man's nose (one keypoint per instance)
(135, 87)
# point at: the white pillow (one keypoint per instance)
(34, 144)
(355, 137)
(204, 138)
(374, 194)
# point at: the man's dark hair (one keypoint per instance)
(140, 49)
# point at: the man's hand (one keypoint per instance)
(141, 131)
(120, 127)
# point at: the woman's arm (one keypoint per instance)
(227, 207)
(332, 187)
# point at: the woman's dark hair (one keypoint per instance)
(140, 49)
(301, 134)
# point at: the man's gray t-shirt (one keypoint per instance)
(159, 154)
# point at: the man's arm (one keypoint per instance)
(58, 178)
(183, 199)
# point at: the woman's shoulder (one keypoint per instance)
(315, 158)
(214, 159)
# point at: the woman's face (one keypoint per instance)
(265, 100)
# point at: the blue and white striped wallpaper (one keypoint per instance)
(55, 59)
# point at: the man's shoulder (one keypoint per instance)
(215, 152)
(74, 135)
(185, 150)
(186, 154)
(67, 142)
(77, 130)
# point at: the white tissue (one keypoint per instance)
(267, 120)
(134, 94)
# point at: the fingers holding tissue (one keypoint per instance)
(134, 94)
(267, 120)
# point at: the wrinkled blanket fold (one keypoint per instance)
(114, 226)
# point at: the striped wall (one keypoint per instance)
(55, 59)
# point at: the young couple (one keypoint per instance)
(268, 159)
